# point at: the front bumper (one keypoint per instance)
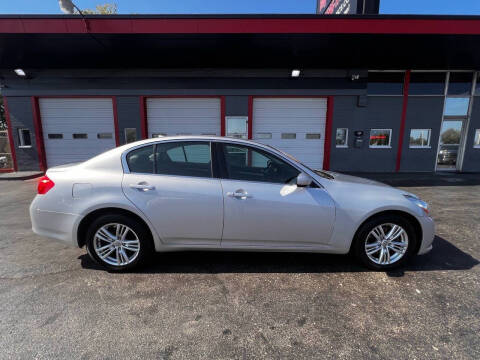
(428, 231)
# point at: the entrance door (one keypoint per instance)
(449, 144)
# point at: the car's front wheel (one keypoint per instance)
(385, 242)
(118, 242)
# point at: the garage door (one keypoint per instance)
(75, 130)
(183, 116)
(294, 125)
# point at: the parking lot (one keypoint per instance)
(55, 303)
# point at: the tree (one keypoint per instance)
(451, 136)
(105, 9)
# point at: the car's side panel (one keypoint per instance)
(184, 210)
(276, 215)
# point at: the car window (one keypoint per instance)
(141, 160)
(246, 163)
(183, 158)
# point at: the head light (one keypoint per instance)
(420, 203)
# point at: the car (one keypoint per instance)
(217, 193)
(447, 154)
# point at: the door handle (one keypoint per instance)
(239, 194)
(142, 187)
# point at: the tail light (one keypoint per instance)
(44, 185)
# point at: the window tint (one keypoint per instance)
(380, 138)
(184, 159)
(385, 83)
(141, 160)
(456, 106)
(341, 137)
(24, 138)
(460, 83)
(476, 140)
(419, 138)
(427, 83)
(245, 163)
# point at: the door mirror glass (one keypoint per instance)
(304, 180)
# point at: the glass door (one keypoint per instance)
(237, 126)
(449, 144)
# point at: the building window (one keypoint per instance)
(460, 83)
(130, 135)
(311, 136)
(385, 83)
(341, 137)
(159, 135)
(80, 136)
(380, 138)
(456, 106)
(476, 141)
(427, 83)
(289, 135)
(263, 135)
(237, 126)
(55, 136)
(104, 136)
(419, 138)
(24, 139)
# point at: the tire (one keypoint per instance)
(133, 249)
(399, 250)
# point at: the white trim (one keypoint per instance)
(420, 146)
(346, 138)
(389, 146)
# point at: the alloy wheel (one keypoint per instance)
(386, 244)
(116, 244)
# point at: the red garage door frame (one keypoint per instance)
(37, 120)
(143, 109)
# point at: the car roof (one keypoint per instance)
(196, 137)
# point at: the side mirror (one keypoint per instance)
(304, 180)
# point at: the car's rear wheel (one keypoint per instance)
(118, 242)
(385, 242)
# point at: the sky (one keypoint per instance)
(447, 7)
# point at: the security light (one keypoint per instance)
(20, 72)
(295, 73)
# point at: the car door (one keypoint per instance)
(173, 185)
(263, 205)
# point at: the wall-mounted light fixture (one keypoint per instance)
(20, 72)
(295, 73)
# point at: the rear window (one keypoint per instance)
(141, 160)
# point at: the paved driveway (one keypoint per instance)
(55, 303)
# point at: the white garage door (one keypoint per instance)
(294, 125)
(183, 116)
(75, 130)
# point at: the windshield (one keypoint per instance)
(321, 173)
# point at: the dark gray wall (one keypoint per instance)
(128, 113)
(471, 159)
(21, 117)
(381, 112)
(422, 113)
(236, 105)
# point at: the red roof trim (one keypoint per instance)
(240, 26)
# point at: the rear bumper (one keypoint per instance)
(428, 230)
(52, 224)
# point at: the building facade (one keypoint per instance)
(343, 93)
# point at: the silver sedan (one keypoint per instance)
(202, 193)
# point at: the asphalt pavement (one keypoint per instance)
(56, 303)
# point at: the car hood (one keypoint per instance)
(355, 179)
